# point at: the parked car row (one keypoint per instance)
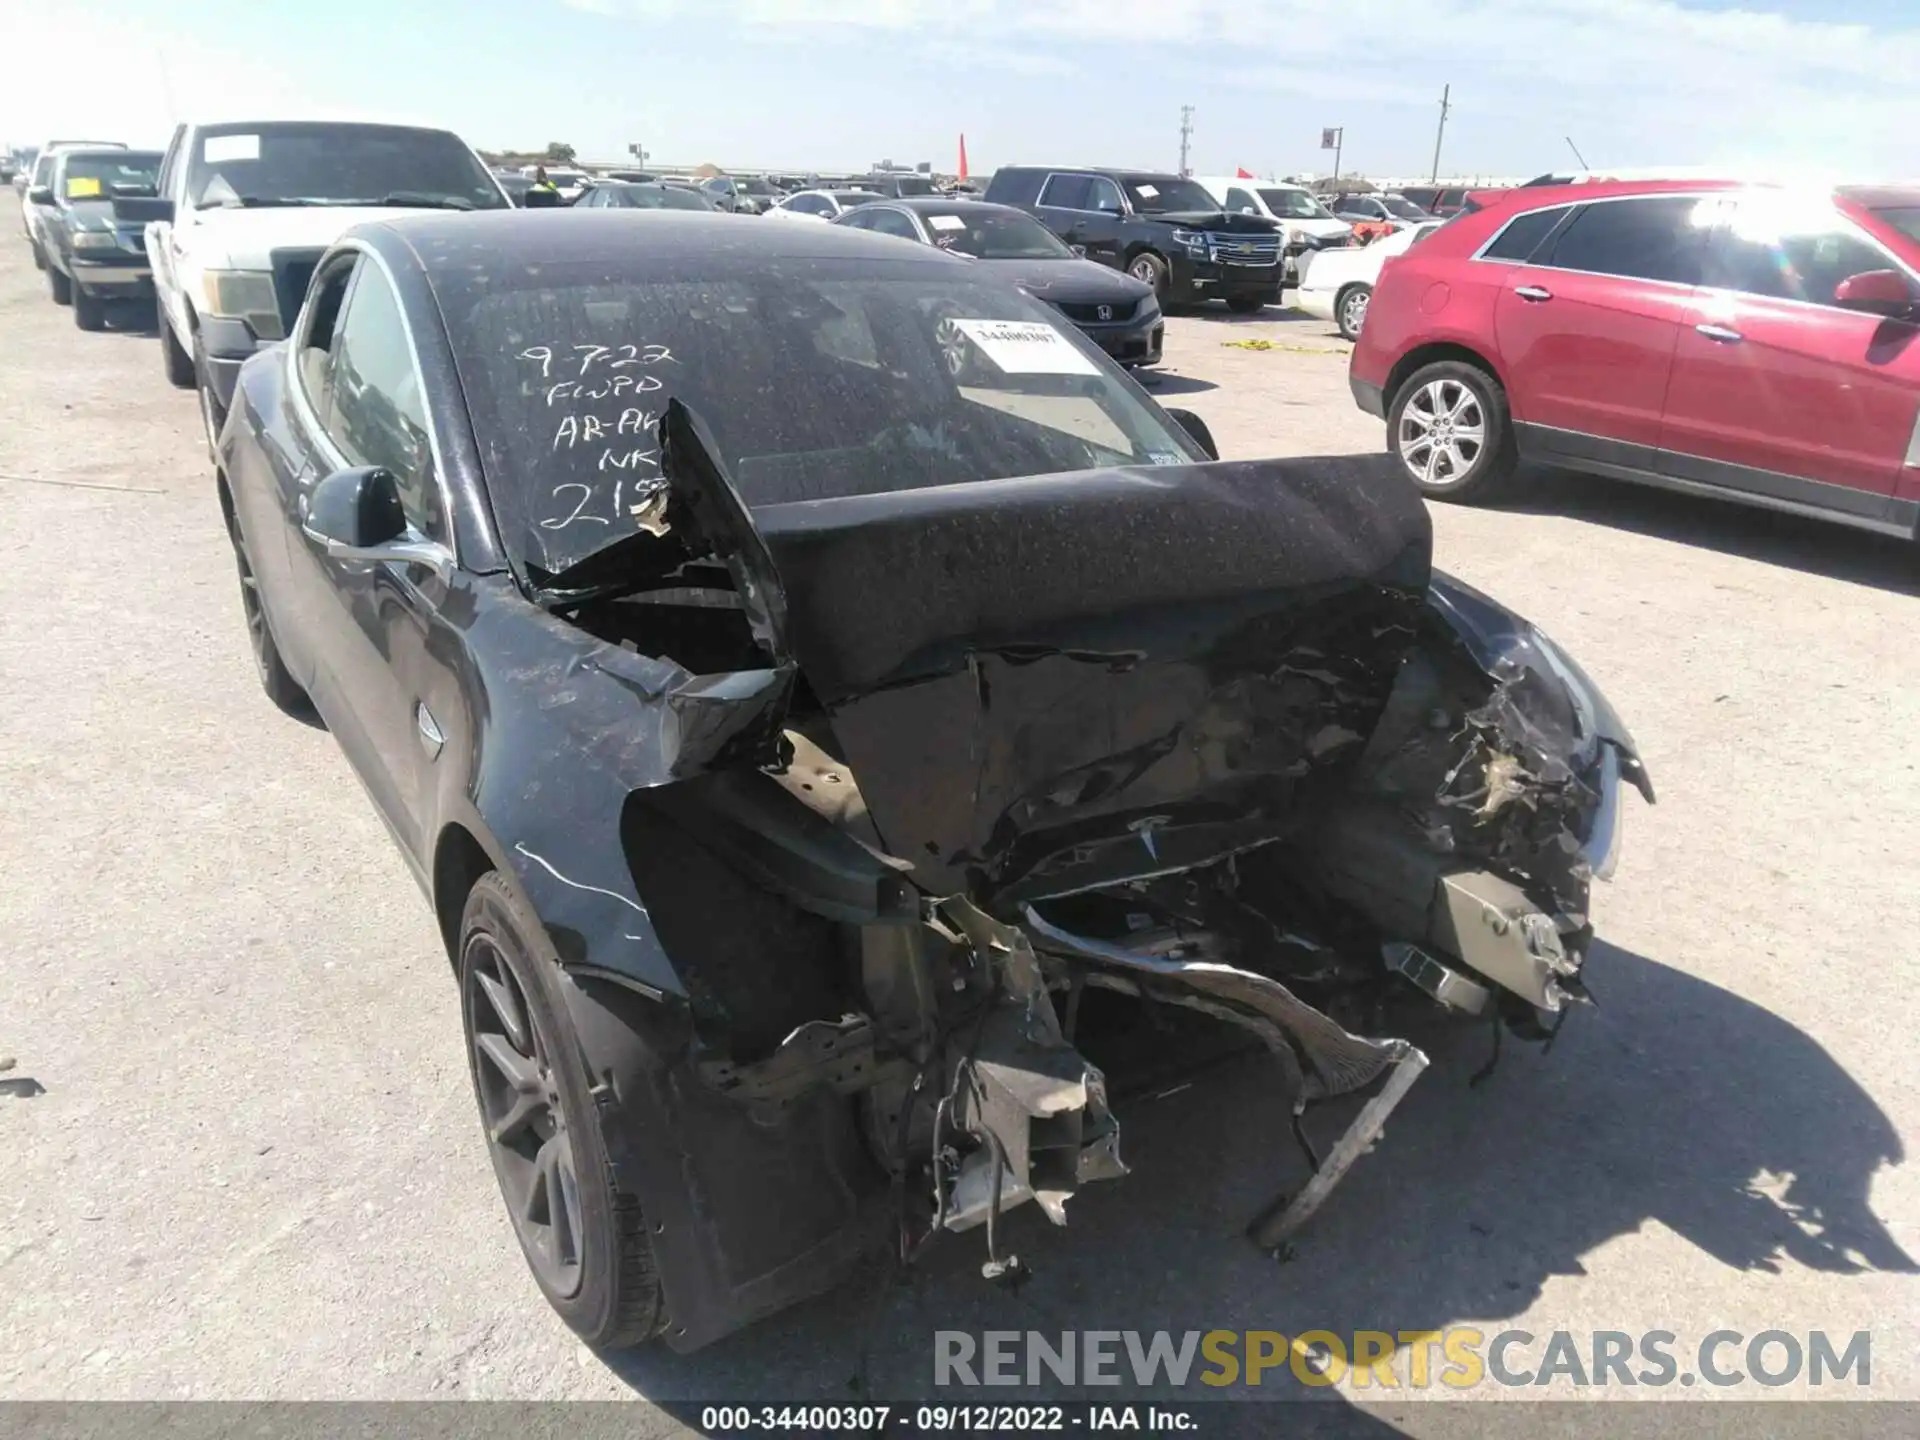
(1747, 342)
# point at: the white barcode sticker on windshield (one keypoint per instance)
(1025, 347)
(217, 148)
(946, 222)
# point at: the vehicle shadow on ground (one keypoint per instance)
(132, 317)
(1159, 383)
(1270, 315)
(1672, 1101)
(1815, 546)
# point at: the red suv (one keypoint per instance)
(1750, 342)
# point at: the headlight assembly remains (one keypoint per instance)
(96, 240)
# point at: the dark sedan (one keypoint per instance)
(92, 258)
(1117, 312)
(643, 195)
(787, 731)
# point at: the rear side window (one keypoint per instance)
(1655, 238)
(1524, 234)
(1066, 192)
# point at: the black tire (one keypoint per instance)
(59, 286)
(173, 356)
(39, 255)
(594, 1262)
(1151, 268)
(89, 311)
(1246, 304)
(282, 689)
(213, 415)
(1460, 412)
(1350, 309)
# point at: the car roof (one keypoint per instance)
(117, 152)
(641, 245)
(1881, 197)
(1578, 191)
(922, 204)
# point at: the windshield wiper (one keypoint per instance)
(417, 198)
(257, 202)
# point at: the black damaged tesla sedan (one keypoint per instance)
(820, 755)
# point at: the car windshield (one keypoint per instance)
(658, 197)
(332, 164)
(911, 185)
(1169, 195)
(756, 187)
(817, 380)
(566, 177)
(100, 177)
(1402, 209)
(1904, 218)
(991, 235)
(1295, 205)
(849, 198)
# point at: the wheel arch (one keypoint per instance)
(459, 860)
(1423, 355)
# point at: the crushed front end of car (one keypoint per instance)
(1215, 738)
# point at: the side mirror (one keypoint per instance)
(1197, 431)
(39, 195)
(142, 209)
(1879, 292)
(356, 515)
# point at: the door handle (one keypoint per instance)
(1720, 333)
(1532, 293)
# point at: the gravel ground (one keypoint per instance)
(241, 1156)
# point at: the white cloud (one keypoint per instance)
(1638, 80)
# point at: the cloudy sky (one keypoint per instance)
(1828, 84)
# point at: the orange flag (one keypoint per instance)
(963, 156)
(1242, 173)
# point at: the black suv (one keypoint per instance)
(1163, 229)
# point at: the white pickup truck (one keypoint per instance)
(246, 209)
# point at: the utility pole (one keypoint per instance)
(1186, 135)
(1576, 152)
(1445, 92)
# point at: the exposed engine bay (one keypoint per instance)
(1215, 738)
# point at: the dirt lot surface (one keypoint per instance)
(241, 1156)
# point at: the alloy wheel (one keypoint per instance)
(250, 605)
(1353, 311)
(519, 1093)
(954, 347)
(1442, 433)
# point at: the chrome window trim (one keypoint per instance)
(296, 386)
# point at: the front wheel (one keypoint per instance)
(89, 311)
(1152, 270)
(213, 415)
(58, 285)
(1350, 310)
(173, 356)
(585, 1241)
(1449, 428)
(39, 255)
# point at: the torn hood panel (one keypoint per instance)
(1063, 680)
